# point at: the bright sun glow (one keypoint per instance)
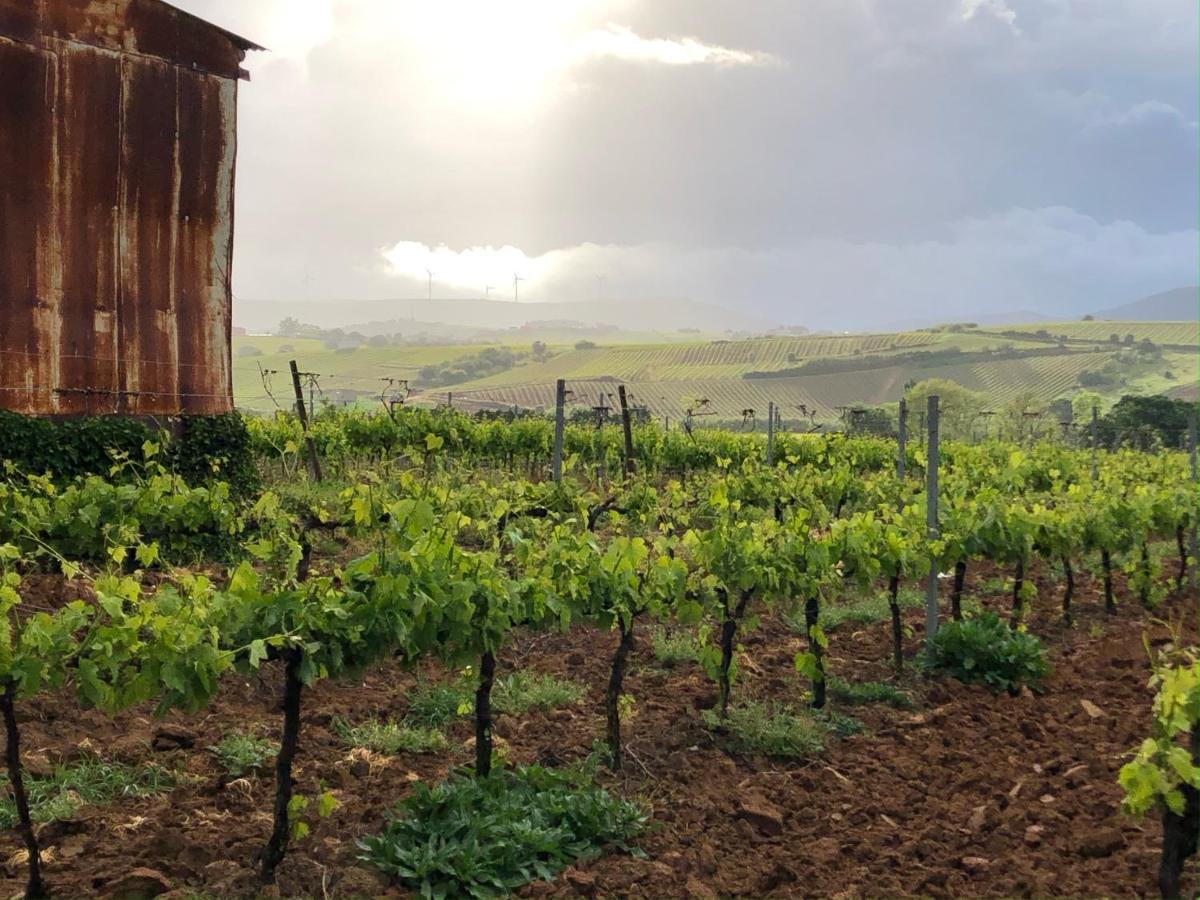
(495, 54)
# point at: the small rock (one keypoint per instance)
(1101, 843)
(706, 859)
(173, 737)
(358, 882)
(584, 882)
(976, 864)
(1047, 798)
(1033, 835)
(698, 890)
(1091, 709)
(37, 765)
(139, 884)
(978, 818)
(360, 768)
(762, 815)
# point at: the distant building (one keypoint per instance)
(116, 207)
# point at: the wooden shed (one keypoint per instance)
(118, 139)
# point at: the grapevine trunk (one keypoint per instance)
(612, 699)
(1181, 835)
(812, 615)
(960, 576)
(1144, 589)
(1179, 544)
(728, 632)
(290, 739)
(483, 715)
(35, 887)
(897, 626)
(1014, 621)
(1110, 605)
(1069, 590)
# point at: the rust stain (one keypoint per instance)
(116, 209)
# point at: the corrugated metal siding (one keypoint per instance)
(116, 209)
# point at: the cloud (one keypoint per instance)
(474, 268)
(1054, 260)
(622, 43)
(997, 9)
(806, 160)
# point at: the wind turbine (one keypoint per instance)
(430, 274)
(487, 290)
(516, 290)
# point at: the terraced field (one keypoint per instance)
(1046, 377)
(342, 372)
(670, 378)
(1177, 333)
(702, 361)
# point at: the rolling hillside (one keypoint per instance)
(817, 372)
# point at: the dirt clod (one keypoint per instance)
(173, 737)
(759, 812)
(139, 884)
(1101, 843)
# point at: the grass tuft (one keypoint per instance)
(861, 693)
(390, 737)
(86, 782)
(522, 691)
(486, 837)
(436, 703)
(439, 703)
(864, 611)
(240, 753)
(773, 728)
(675, 647)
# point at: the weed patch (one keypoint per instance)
(485, 837)
(86, 782)
(391, 737)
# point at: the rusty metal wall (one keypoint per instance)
(117, 146)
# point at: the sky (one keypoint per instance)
(828, 163)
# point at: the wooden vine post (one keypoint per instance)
(560, 400)
(314, 464)
(931, 518)
(627, 425)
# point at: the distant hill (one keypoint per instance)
(1019, 317)
(464, 316)
(1177, 305)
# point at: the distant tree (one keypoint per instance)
(1082, 403)
(584, 345)
(1145, 422)
(958, 406)
(540, 352)
(871, 420)
(1089, 318)
(289, 327)
(1128, 340)
(1022, 416)
(1114, 338)
(377, 340)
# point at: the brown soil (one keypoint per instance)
(974, 793)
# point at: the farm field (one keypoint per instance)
(373, 685)
(1186, 334)
(670, 378)
(1041, 817)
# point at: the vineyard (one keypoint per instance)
(670, 654)
(809, 376)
